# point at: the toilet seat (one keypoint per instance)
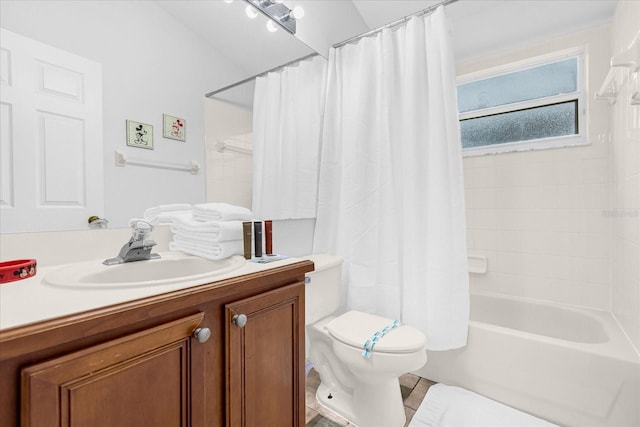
(354, 328)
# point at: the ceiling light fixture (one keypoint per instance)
(297, 12)
(251, 12)
(277, 13)
(271, 26)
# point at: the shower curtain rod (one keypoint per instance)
(264, 73)
(394, 23)
(337, 45)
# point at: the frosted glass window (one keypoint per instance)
(532, 104)
(522, 125)
(533, 83)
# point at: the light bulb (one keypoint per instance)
(228, 1)
(298, 12)
(251, 12)
(279, 1)
(271, 26)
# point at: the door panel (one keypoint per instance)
(51, 138)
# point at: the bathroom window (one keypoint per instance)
(531, 104)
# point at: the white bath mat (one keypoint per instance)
(448, 406)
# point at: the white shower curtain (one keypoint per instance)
(287, 120)
(390, 197)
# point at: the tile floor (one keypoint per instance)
(413, 390)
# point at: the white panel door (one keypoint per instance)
(51, 137)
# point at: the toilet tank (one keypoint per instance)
(323, 287)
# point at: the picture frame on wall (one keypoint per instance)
(174, 127)
(139, 135)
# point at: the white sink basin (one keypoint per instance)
(170, 268)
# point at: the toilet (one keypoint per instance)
(364, 390)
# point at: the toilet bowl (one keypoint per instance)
(363, 388)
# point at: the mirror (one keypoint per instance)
(154, 62)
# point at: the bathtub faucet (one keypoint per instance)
(138, 248)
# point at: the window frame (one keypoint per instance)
(574, 140)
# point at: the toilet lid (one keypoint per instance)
(354, 328)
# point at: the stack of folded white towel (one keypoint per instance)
(210, 230)
(164, 214)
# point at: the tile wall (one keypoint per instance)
(625, 211)
(540, 217)
(229, 172)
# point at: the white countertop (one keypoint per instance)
(31, 300)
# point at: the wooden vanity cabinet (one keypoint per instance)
(139, 363)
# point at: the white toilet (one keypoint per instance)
(364, 390)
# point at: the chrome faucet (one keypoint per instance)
(138, 248)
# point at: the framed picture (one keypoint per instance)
(139, 135)
(174, 127)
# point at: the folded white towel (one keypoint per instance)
(168, 217)
(167, 208)
(214, 251)
(198, 239)
(164, 214)
(221, 212)
(212, 231)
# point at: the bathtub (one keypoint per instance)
(567, 365)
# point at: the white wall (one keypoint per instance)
(625, 212)
(151, 65)
(538, 216)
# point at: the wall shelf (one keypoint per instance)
(608, 90)
(123, 160)
(630, 59)
(477, 264)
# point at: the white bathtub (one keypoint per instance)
(570, 366)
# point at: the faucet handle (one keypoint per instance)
(141, 229)
(134, 222)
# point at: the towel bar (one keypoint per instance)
(122, 160)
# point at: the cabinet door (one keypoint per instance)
(141, 379)
(265, 359)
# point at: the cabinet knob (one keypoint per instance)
(239, 320)
(202, 334)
